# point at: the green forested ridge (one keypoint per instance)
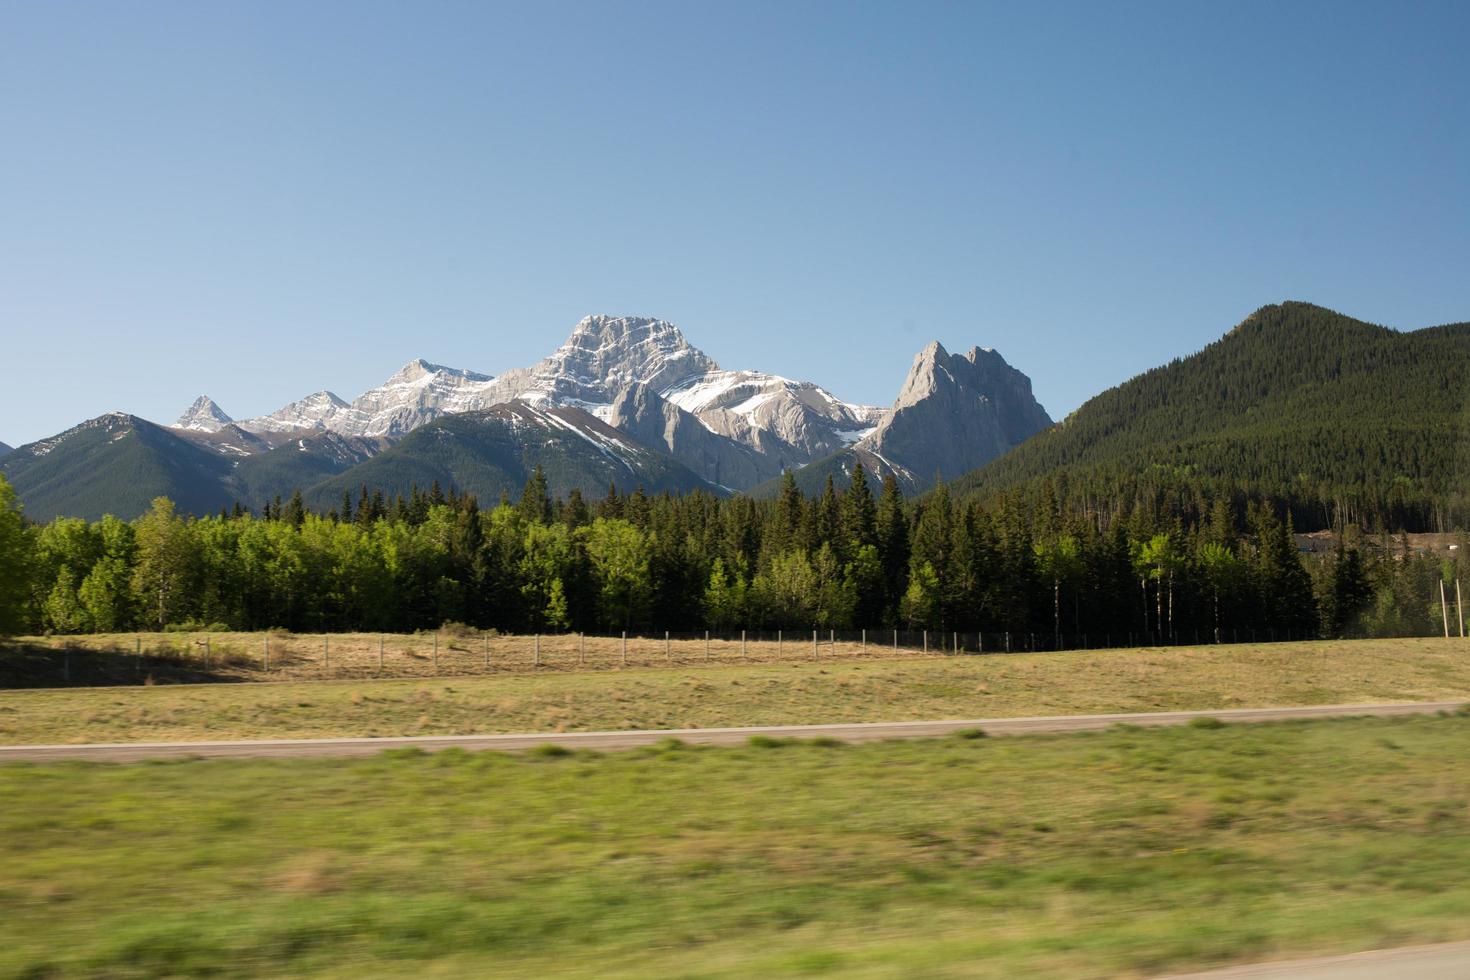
(297, 465)
(1346, 421)
(841, 560)
(494, 452)
(118, 463)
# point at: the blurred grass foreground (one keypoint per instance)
(1127, 852)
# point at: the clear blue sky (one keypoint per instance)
(257, 200)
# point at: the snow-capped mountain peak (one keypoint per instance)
(419, 370)
(203, 416)
(315, 411)
(605, 354)
(418, 392)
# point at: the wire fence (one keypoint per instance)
(152, 658)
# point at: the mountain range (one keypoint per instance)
(624, 401)
(1343, 419)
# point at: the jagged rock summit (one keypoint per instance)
(203, 416)
(956, 412)
(605, 354)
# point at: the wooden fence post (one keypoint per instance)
(436, 653)
(668, 654)
(380, 653)
(326, 652)
(537, 661)
(267, 661)
(581, 649)
(706, 646)
(742, 644)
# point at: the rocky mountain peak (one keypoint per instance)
(955, 413)
(419, 369)
(606, 353)
(203, 416)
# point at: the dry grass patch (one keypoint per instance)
(886, 689)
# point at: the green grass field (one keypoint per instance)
(689, 696)
(1124, 853)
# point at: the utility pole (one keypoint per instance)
(1444, 610)
(1459, 609)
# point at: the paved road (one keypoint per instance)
(606, 741)
(1448, 962)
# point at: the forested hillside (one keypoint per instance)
(116, 464)
(1346, 421)
(494, 452)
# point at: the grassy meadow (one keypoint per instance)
(175, 657)
(1121, 853)
(721, 694)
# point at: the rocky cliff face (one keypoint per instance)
(639, 411)
(955, 412)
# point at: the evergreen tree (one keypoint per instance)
(1283, 583)
(574, 514)
(611, 506)
(826, 521)
(295, 510)
(535, 503)
(859, 512)
(893, 542)
(784, 531)
(1348, 595)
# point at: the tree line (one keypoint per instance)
(843, 559)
